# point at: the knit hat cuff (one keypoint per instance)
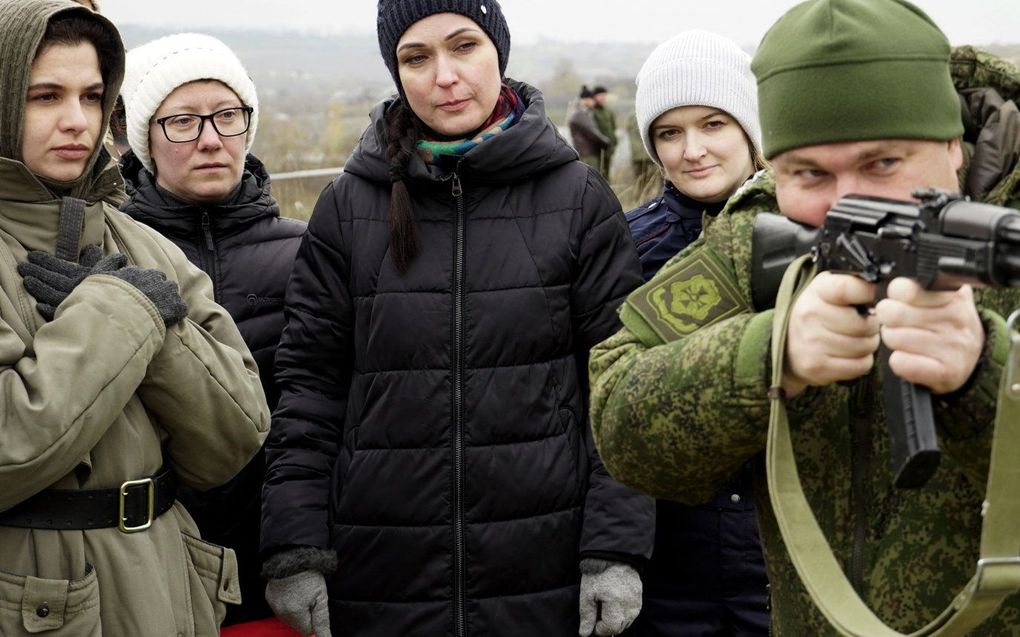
(178, 67)
(706, 82)
(906, 98)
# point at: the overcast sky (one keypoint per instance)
(964, 21)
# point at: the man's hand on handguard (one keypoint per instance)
(936, 338)
(828, 339)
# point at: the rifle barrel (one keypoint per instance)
(1009, 231)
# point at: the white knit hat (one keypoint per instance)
(156, 68)
(697, 68)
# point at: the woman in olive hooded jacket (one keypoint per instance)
(119, 373)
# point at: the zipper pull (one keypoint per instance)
(457, 190)
(207, 231)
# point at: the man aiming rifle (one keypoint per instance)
(943, 243)
(857, 97)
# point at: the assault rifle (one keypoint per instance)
(943, 241)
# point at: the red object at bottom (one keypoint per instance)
(262, 628)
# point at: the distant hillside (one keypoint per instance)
(293, 67)
(351, 65)
(316, 91)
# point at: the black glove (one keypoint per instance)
(163, 294)
(50, 279)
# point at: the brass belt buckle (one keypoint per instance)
(123, 493)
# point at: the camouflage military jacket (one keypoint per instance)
(679, 403)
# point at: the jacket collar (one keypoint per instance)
(152, 206)
(31, 213)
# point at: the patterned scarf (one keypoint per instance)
(509, 108)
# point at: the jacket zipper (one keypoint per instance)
(459, 600)
(209, 261)
(860, 468)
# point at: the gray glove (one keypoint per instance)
(301, 602)
(163, 293)
(50, 279)
(610, 597)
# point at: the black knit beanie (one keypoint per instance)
(395, 16)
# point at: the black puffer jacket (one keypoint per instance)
(432, 427)
(248, 251)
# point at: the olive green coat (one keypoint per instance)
(606, 122)
(89, 400)
(676, 419)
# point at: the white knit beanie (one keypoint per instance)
(156, 68)
(697, 68)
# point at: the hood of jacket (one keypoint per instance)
(170, 215)
(989, 89)
(530, 147)
(22, 26)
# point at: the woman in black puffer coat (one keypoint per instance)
(431, 457)
(228, 224)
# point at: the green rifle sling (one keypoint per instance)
(997, 572)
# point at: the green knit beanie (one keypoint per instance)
(853, 70)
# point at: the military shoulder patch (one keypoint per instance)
(692, 293)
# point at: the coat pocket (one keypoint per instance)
(213, 582)
(54, 608)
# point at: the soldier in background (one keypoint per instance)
(585, 136)
(606, 122)
(645, 173)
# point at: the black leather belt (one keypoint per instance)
(131, 508)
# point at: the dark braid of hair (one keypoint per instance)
(401, 136)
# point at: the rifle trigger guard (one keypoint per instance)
(1013, 365)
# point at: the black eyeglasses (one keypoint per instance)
(187, 127)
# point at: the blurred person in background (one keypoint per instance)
(645, 174)
(605, 120)
(585, 136)
(192, 113)
(431, 467)
(119, 381)
(697, 112)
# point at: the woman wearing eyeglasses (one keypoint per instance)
(192, 112)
